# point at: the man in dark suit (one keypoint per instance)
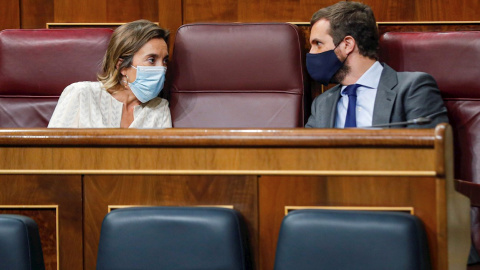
(344, 49)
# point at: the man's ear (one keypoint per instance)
(350, 44)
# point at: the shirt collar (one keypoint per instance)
(371, 78)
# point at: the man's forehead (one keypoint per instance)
(322, 25)
(320, 30)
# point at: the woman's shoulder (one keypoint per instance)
(82, 88)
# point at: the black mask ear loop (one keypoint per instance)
(343, 62)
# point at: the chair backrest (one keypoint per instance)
(453, 59)
(173, 238)
(20, 247)
(36, 65)
(237, 75)
(336, 239)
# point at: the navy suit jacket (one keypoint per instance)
(401, 96)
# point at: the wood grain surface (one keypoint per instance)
(257, 171)
(35, 196)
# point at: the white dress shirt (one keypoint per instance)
(365, 98)
(89, 105)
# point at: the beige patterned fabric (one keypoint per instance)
(88, 105)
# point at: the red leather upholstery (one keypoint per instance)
(237, 75)
(36, 65)
(453, 58)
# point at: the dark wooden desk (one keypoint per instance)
(67, 180)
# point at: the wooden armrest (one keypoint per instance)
(469, 189)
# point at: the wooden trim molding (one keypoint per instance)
(409, 210)
(226, 172)
(369, 152)
(85, 25)
(299, 137)
(113, 207)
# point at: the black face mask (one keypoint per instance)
(323, 66)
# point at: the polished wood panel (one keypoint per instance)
(210, 11)
(392, 10)
(280, 10)
(301, 151)
(302, 10)
(127, 10)
(10, 14)
(332, 167)
(36, 13)
(102, 191)
(80, 11)
(275, 193)
(219, 138)
(251, 11)
(170, 16)
(47, 190)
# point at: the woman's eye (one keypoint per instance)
(151, 60)
(165, 60)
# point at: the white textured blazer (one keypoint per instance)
(89, 105)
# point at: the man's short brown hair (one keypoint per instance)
(351, 19)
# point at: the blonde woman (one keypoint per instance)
(126, 93)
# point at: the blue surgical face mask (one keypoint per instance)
(149, 82)
(323, 66)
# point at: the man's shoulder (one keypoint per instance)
(414, 79)
(414, 74)
(329, 93)
(406, 76)
(404, 80)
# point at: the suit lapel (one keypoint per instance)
(385, 98)
(331, 105)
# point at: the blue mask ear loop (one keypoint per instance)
(127, 80)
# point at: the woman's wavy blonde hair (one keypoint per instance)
(125, 42)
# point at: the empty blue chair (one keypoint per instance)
(20, 246)
(174, 238)
(336, 240)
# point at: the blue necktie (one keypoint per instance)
(351, 91)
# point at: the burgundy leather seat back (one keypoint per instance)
(453, 58)
(36, 65)
(237, 76)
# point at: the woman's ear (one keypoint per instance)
(117, 66)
